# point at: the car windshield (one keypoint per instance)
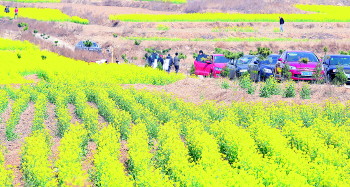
(244, 60)
(296, 56)
(221, 59)
(270, 60)
(339, 60)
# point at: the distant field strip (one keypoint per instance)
(43, 14)
(319, 13)
(233, 29)
(229, 39)
(35, 1)
(168, 1)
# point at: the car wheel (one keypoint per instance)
(232, 75)
(211, 75)
(258, 79)
(328, 78)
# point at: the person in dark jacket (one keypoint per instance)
(7, 9)
(200, 56)
(176, 62)
(281, 24)
(160, 59)
(149, 60)
(170, 59)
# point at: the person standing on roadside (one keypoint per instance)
(176, 62)
(16, 13)
(161, 60)
(7, 9)
(169, 60)
(281, 24)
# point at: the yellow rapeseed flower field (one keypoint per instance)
(43, 14)
(318, 13)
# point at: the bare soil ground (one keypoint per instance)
(199, 90)
(33, 77)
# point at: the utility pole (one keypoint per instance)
(110, 49)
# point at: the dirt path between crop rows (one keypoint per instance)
(101, 120)
(73, 114)
(13, 155)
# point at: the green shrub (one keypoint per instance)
(182, 56)
(192, 70)
(25, 25)
(225, 72)
(290, 90)
(305, 92)
(246, 83)
(43, 57)
(137, 42)
(87, 43)
(344, 52)
(126, 60)
(340, 77)
(325, 50)
(115, 35)
(270, 87)
(225, 85)
(161, 27)
(317, 74)
(19, 56)
(286, 72)
(22, 24)
(35, 31)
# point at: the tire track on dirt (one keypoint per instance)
(13, 155)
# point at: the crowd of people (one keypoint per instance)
(7, 10)
(167, 62)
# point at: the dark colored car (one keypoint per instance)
(239, 66)
(298, 69)
(82, 46)
(331, 62)
(260, 69)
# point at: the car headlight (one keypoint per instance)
(293, 67)
(266, 70)
(243, 70)
(218, 69)
(335, 70)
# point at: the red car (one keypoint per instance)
(211, 66)
(300, 70)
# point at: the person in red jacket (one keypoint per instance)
(16, 13)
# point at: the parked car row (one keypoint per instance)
(302, 65)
